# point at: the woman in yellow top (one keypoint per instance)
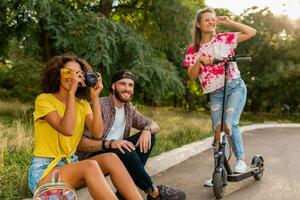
(61, 113)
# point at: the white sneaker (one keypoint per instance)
(240, 167)
(208, 183)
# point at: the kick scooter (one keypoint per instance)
(223, 172)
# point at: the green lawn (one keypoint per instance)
(16, 139)
(177, 127)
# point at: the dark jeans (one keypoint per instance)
(134, 162)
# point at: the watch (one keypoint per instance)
(148, 128)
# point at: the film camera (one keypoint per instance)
(91, 78)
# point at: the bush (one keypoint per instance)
(20, 79)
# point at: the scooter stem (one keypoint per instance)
(225, 96)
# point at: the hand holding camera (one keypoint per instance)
(95, 84)
(84, 79)
(89, 78)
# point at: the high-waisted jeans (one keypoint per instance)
(236, 99)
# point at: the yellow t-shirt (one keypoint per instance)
(48, 142)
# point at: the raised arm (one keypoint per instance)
(66, 124)
(246, 31)
(94, 122)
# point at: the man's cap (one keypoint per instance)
(121, 74)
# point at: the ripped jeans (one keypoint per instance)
(236, 99)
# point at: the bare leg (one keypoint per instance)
(87, 171)
(112, 165)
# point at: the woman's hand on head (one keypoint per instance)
(96, 90)
(222, 20)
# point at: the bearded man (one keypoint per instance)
(119, 115)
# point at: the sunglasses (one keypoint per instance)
(67, 73)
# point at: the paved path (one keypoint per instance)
(280, 147)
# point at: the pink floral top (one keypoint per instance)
(212, 76)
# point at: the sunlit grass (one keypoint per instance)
(10, 111)
(177, 127)
(250, 118)
(16, 140)
(16, 130)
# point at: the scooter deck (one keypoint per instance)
(239, 177)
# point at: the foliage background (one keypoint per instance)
(150, 38)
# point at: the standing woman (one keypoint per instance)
(60, 115)
(199, 60)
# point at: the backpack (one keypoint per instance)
(56, 190)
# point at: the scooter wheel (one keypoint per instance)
(258, 162)
(218, 185)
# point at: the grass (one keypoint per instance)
(16, 140)
(11, 111)
(177, 127)
(250, 118)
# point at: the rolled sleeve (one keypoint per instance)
(138, 120)
(43, 106)
(190, 55)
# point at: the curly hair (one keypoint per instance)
(51, 74)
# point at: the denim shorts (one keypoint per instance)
(39, 165)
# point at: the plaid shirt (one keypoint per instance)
(133, 119)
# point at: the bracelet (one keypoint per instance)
(110, 144)
(148, 128)
(107, 147)
(103, 144)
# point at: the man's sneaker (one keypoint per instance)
(167, 193)
(240, 167)
(208, 183)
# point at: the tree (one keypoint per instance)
(107, 45)
(167, 27)
(274, 62)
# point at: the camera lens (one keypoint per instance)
(91, 79)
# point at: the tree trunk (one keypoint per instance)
(189, 97)
(189, 101)
(45, 37)
(106, 7)
(255, 106)
(175, 101)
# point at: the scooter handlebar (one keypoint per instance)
(236, 58)
(243, 59)
(217, 61)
